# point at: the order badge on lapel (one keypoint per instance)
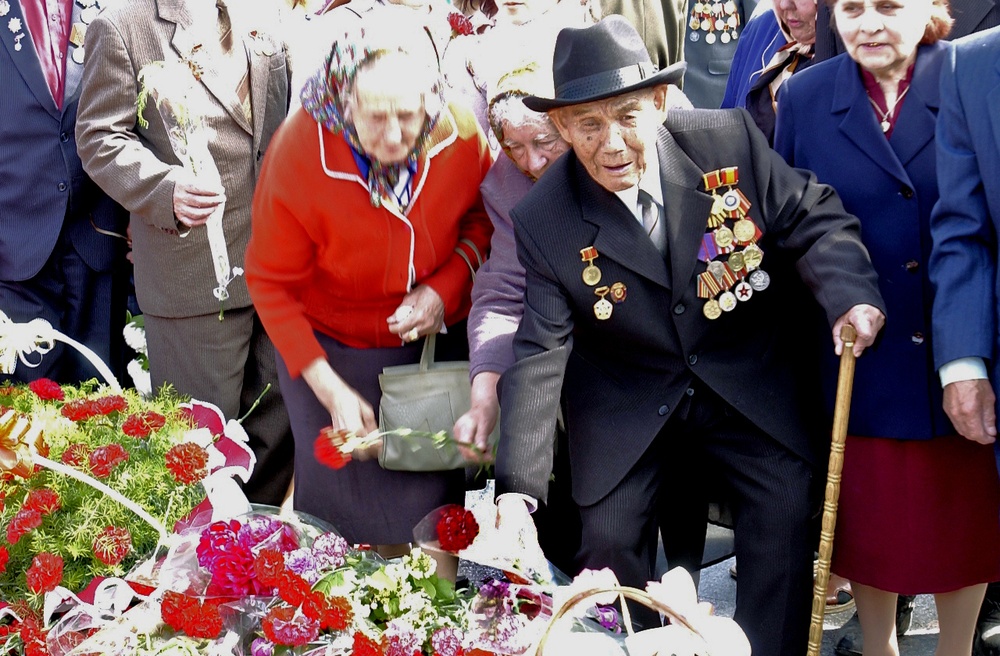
(603, 307)
(729, 247)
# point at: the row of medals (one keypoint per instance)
(591, 276)
(719, 20)
(78, 33)
(729, 248)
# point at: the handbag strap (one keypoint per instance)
(427, 354)
(475, 251)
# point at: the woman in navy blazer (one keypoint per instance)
(919, 504)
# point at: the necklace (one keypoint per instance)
(886, 116)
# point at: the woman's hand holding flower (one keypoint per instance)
(348, 410)
(475, 426)
(420, 313)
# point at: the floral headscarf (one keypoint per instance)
(325, 94)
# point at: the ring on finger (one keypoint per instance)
(412, 335)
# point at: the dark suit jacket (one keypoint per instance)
(970, 16)
(966, 220)
(826, 124)
(42, 183)
(625, 375)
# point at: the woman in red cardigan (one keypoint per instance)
(366, 211)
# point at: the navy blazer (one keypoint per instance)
(42, 182)
(965, 222)
(826, 124)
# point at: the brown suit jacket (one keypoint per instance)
(136, 166)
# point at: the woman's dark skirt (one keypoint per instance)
(918, 516)
(367, 504)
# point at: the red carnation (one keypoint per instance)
(104, 459)
(338, 614)
(283, 626)
(327, 449)
(460, 24)
(141, 425)
(187, 462)
(23, 521)
(79, 410)
(112, 545)
(268, 566)
(456, 528)
(47, 390)
(108, 404)
(174, 607)
(292, 588)
(365, 646)
(75, 454)
(205, 621)
(45, 573)
(4, 557)
(43, 500)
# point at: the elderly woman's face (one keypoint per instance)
(532, 142)
(387, 110)
(799, 16)
(882, 35)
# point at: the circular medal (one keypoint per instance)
(736, 35)
(712, 309)
(716, 7)
(710, 38)
(743, 291)
(725, 38)
(731, 200)
(591, 275)
(724, 237)
(727, 301)
(706, 24)
(759, 280)
(752, 256)
(720, 24)
(698, 7)
(730, 7)
(736, 261)
(603, 309)
(744, 230)
(694, 23)
(78, 54)
(618, 292)
(694, 36)
(732, 23)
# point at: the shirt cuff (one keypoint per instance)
(531, 502)
(971, 368)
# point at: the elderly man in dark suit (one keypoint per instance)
(242, 91)
(663, 263)
(963, 266)
(61, 240)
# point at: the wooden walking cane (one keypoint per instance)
(841, 412)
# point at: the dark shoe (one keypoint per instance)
(986, 642)
(839, 596)
(850, 642)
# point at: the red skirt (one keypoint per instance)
(918, 516)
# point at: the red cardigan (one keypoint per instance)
(322, 258)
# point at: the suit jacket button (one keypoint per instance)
(689, 391)
(906, 192)
(912, 266)
(679, 308)
(692, 359)
(61, 186)
(917, 338)
(63, 137)
(663, 410)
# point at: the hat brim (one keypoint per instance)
(670, 75)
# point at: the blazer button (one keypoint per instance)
(692, 359)
(64, 137)
(917, 338)
(61, 186)
(679, 308)
(689, 391)
(912, 266)
(906, 192)
(663, 410)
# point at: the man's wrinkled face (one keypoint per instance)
(613, 138)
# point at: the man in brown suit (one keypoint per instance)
(243, 93)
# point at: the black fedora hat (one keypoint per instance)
(602, 60)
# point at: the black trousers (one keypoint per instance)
(706, 439)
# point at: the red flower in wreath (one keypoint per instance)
(46, 389)
(104, 459)
(45, 572)
(327, 448)
(4, 557)
(75, 455)
(108, 404)
(24, 520)
(365, 646)
(188, 462)
(460, 24)
(112, 545)
(456, 528)
(284, 626)
(80, 410)
(43, 500)
(141, 425)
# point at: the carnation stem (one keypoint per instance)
(101, 487)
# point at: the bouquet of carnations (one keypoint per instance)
(90, 482)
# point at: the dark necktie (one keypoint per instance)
(651, 222)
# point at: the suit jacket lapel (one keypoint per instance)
(971, 14)
(993, 102)
(260, 69)
(25, 59)
(620, 237)
(185, 39)
(858, 121)
(685, 207)
(918, 114)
